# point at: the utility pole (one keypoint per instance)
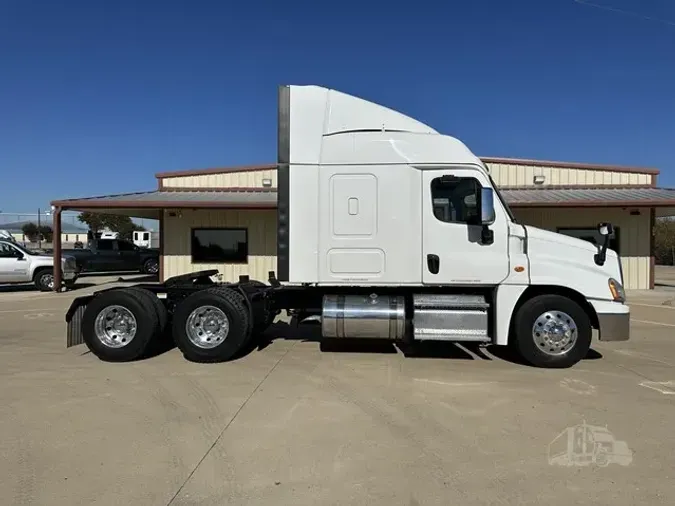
(39, 231)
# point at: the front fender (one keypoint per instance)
(558, 260)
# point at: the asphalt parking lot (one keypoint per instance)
(298, 423)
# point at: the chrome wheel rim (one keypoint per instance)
(48, 280)
(555, 332)
(153, 267)
(207, 327)
(115, 326)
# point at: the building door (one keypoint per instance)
(454, 249)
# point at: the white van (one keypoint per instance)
(142, 239)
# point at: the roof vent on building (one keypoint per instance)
(540, 179)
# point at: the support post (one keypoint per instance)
(161, 245)
(39, 230)
(56, 229)
(652, 253)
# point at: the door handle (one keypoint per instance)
(433, 263)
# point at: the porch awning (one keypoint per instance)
(663, 199)
(660, 198)
(233, 199)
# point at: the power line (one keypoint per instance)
(625, 12)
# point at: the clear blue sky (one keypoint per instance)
(95, 97)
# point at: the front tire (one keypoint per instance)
(118, 325)
(44, 280)
(552, 331)
(211, 325)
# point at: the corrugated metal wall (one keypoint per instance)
(261, 225)
(523, 175)
(635, 230)
(249, 179)
(504, 174)
(262, 242)
(634, 236)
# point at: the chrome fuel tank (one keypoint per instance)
(365, 316)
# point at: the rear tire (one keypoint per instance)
(116, 315)
(211, 325)
(151, 266)
(44, 280)
(160, 309)
(552, 331)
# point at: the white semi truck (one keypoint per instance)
(387, 229)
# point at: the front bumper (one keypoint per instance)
(614, 326)
(613, 320)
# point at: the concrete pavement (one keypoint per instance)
(298, 423)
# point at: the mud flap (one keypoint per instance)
(74, 321)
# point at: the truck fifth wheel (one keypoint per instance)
(387, 229)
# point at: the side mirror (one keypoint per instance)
(18, 254)
(605, 229)
(487, 206)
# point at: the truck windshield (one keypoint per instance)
(501, 199)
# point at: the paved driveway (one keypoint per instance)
(297, 424)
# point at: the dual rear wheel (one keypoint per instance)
(210, 325)
(121, 324)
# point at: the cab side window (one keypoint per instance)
(7, 251)
(125, 246)
(105, 245)
(456, 199)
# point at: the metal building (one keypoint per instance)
(234, 211)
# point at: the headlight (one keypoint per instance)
(617, 291)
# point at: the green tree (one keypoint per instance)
(113, 222)
(31, 231)
(94, 221)
(46, 232)
(122, 225)
(664, 241)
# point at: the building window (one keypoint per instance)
(455, 200)
(591, 234)
(216, 245)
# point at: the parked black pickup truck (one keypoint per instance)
(112, 255)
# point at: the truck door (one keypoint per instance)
(105, 256)
(14, 266)
(129, 256)
(456, 251)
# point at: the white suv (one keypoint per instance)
(19, 265)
